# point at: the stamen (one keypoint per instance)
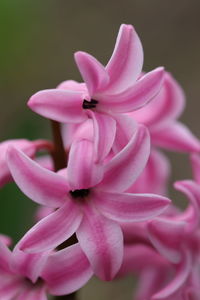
(89, 104)
(80, 193)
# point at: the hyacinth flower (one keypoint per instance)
(28, 147)
(183, 246)
(161, 114)
(90, 200)
(33, 276)
(151, 268)
(152, 179)
(153, 271)
(106, 91)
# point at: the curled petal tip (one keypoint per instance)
(184, 185)
(36, 100)
(61, 105)
(160, 71)
(166, 201)
(33, 100)
(92, 71)
(125, 64)
(79, 54)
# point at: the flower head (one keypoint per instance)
(33, 276)
(107, 91)
(90, 199)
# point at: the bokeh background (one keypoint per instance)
(38, 39)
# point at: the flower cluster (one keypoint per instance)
(102, 186)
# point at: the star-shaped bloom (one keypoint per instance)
(182, 248)
(106, 91)
(151, 268)
(89, 199)
(33, 276)
(161, 114)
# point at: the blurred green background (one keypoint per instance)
(38, 39)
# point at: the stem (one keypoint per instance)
(59, 156)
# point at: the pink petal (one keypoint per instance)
(138, 257)
(59, 105)
(74, 132)
(42, 212)
(159, 232)
(102, 241)
(28, 265)
(176, 137)
(138, 235)
(45, 161)
(67, 271)
(191, 215)
(150, 281)
(68, 132)
(191, 293)
(177, 282)
(195, 163)
(82, 171)
(124, 168)
(5, 257)
(72, 85)
(33, 293)
(39, 184)
(167, 105)
(126, 127)
(6, 240)
(10, 286)
(52, 230)
(153, 179)
(28, 147)
(92, 71)
(126, 62)
(134, 97)
(124, 207)
(104, 134)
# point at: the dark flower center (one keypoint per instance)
(39, 282)
(80, 193)
(89, 104)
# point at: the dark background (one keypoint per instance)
(38, 39)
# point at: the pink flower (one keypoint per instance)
(90, 199)
(28, 147)
(161, 114)
(32, 276)
(182, 248)
(152, 269)
(116, 88)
